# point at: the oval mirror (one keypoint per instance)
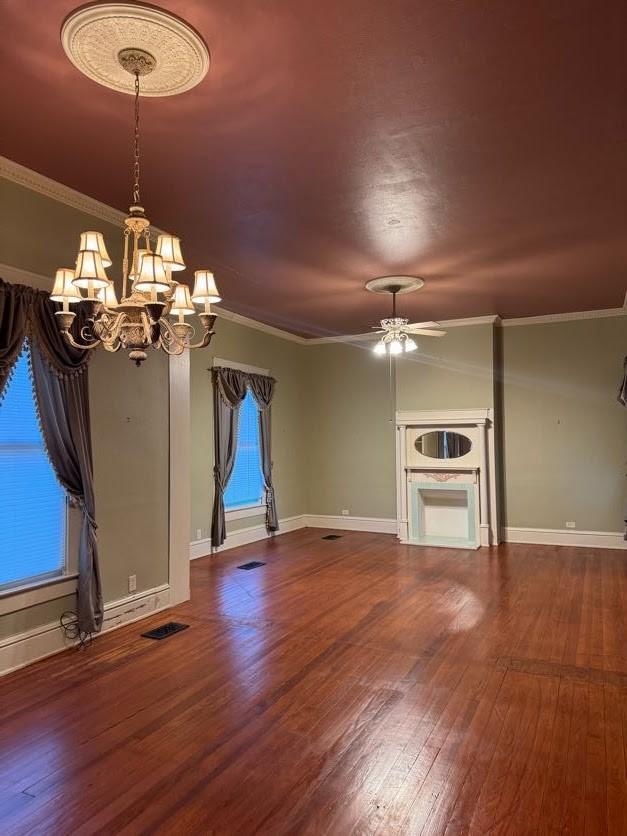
(442, 444)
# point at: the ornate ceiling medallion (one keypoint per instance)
(95, 36)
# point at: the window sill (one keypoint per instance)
(29, 595)
(245, 511)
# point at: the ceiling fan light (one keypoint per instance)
(395, 346)
(410, 345)
(379, 348)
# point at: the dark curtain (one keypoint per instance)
(229, 390)
(62, 394)
(622, 392)
(13, 317)
(262, 388)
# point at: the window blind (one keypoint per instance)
(32, 503)
(245, 487)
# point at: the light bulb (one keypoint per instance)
(410, 345)
(396, 346)
(379, 348)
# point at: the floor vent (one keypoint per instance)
(165, 630)
(332, 537)
(252, 565)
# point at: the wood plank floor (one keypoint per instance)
(353, 686)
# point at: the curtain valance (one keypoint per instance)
(26, 311)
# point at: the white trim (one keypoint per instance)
(46, 640)
(239, 319)
(28, 595)
(15, 275)
(180, 477)
(242, 367)
(561, 537)
(376, 525)
(37, 182)
(563, 317)
(431, 417)
(243, 536)
(245, 511)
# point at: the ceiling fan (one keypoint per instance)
(397, 331)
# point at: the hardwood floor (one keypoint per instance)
(353, 686)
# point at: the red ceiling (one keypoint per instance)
(480, 145)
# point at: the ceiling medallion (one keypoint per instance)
(94, 36)
(396, 330)
(149, 292)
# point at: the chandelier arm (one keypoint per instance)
(206, 338)
(168, 336)
(67, 336)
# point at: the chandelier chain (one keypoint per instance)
(136, 196)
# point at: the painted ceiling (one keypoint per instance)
(480, 145)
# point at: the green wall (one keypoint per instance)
(350, 432)
(565, 435)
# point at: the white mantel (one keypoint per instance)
(477, 468)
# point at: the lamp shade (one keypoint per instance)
(205, 289)
(169, 248)
(151, 274)
(107, 296)
(181, 304)
(94, 241)
(64, 288)
(395, 346)
(135, 273)
(410, 345)
(379, 348)
(89, 270)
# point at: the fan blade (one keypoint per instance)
(423, 325)
(425, 332)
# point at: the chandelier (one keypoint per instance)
(153, 307)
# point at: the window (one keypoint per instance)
(245, 487)
(32, 503)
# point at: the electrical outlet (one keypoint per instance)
(345, 512)
(199, 533)
(132, 583)
(571, 524)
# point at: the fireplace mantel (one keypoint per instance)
(474, 471)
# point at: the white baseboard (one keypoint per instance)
(563, 537)
(376, 525)
(24, 648)
(243, 536)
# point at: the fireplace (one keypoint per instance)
(446, 485)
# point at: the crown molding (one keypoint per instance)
(23, 176)
(563, 317)
(238, 319)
